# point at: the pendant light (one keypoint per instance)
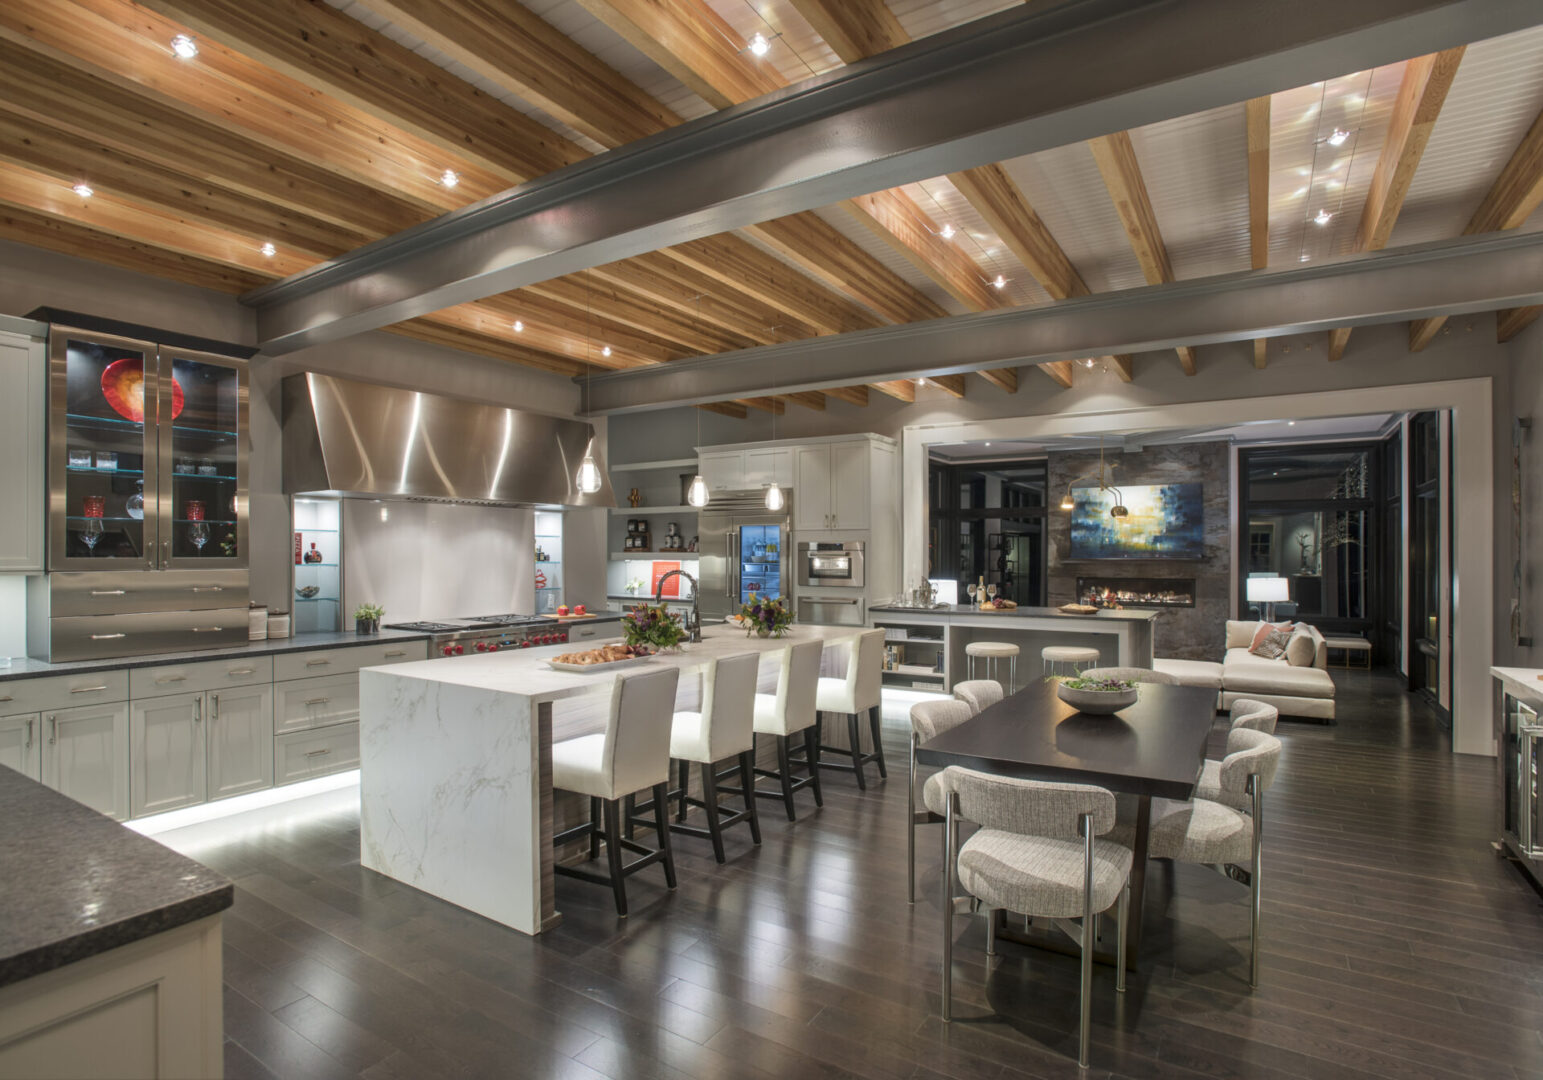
(774, 497)
(696, 494)
(588, 479)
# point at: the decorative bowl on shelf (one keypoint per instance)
(305, 592)
(1103, 697)
(123, 385)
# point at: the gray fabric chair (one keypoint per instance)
(1131, 674)
(978, 694)
(1246, 713)
(930, 719)
(1220, 834)
(1035, 854)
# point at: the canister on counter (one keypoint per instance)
(257, 622)
(278, 624)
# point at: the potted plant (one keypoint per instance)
(653, 625)
(765, 618)
(1098, 697)
(367, 618)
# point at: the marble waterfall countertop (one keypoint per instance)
(1525, 683)
(76, 883)
(970, 611)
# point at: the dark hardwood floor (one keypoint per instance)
(1396, 944)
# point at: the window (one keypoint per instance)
(988, 520)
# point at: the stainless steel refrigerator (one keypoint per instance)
(743, 548)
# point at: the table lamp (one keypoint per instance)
(1268, 591)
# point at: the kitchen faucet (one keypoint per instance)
(694, 623)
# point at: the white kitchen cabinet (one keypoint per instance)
(811, 499)
(86, 755)
(21, 744)
(240, 738)
(849, 473)
(23, 409)
(168, 763)
(769, 466)
(723, 471)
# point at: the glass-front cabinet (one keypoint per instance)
(146, 469)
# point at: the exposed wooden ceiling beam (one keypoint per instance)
(1059, 371)
(1512, 198)
(1256, 123)
(894, 217)
(1122, 366)
(899, 389)
(949, 384)
(997, 199)
(1002, 378)
(809, 399)
(1513, 321)
(854, 29)
(726, 408)
(1261, 352)
(737, 263)
(765, 404)
(440, 329)
(689, 293)
(597, 300)
(852, 395)
(1421, 93)
(1116, 159)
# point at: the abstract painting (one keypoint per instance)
(1166, 521)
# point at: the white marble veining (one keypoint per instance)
(1524, 683)
(451, 765)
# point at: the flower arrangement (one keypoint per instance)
(1108, 686)
(766, 618)
(650, 624)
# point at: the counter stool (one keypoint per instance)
(790, 711)
(631, 755)
(856, 693)
(722, 729)
(1053, 656)
(991, 653)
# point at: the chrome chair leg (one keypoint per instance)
(910, 848)
(1253, 881)
(1085, 1030)
(948, 907)
(1124, 916)
(991, 931)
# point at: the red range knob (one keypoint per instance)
(562, 637)
(449, 650)
(482, 646)
(524, 644)
(493, 647)
(459, 649)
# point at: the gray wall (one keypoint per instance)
(1526, 400)
(1184, 633)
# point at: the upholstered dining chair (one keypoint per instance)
(1226, 835)
(1036, 854)
(1131, 674)
(1246, 713)
(978, 694)
(930, 719)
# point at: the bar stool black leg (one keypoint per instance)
(661, 801)
(785, 775)
(874, 721)
(710, 805)
(812, 752)
(685, 782)
(747, 778)
(857, 752)
(613, 853)
(594, 828)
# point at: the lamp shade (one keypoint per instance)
(1268, 590)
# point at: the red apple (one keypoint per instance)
(562, 609)
(578, 609)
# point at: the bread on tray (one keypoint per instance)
(606, 654)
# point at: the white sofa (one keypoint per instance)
(1301, 689)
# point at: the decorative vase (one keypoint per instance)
(763, 632)
(366, 626)
(1096, 702)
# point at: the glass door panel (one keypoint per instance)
(204, 517)
(760, 562)
(102, 452)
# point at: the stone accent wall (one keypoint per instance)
(1187, 633)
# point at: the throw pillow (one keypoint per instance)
(1301, 649)
(1263, 631)
(1270, 642)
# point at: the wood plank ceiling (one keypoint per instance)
(303, 129)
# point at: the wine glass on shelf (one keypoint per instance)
(91, 533)
(198, 533)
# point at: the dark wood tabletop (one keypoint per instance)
(1156, 747)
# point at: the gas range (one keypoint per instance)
(487, 633)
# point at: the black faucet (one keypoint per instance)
(694, 620)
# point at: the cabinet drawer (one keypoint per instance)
(62, 691)
(302, 665)
(99, 637)
(120, 592)
(301, 704)
(305, 755)
(204, 675)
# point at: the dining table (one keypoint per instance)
(1152, 749)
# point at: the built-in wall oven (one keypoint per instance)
(832, 610)
(829, 564)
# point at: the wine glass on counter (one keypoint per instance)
(991, 592)
(972, 590)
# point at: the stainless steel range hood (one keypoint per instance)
(362, 439)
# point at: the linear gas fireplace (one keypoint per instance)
(1136, 592)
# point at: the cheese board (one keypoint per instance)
(571, 618)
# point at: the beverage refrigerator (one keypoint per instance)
(743, 548)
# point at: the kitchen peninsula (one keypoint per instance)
(455, 794)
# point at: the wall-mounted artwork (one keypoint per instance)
(1166, 521)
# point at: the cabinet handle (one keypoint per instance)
(198, 710)
(53, 729)
(88, 689)
(162, 680)
(317, 700)
(317, 663)
(106, 637)
(214, 708)
(29, 734)
(396, 652)
(7, 697)
(207, 588)
(317, 753)
(207, 629)
(242, 671)
(109, 592)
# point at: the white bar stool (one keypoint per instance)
(1051, 658)
(992, 653)
(786, 713)
(723, 729)
(857, 693)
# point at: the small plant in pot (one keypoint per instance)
(655, 625)
(367, 618)
(1097, 697)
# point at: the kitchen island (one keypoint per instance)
(1122, 637)
(455, 791)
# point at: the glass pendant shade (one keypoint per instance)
(1066, 502)
(774, 498)
(589, 475)
(696, 494)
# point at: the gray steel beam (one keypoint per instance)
(1040, 76)
(1453, 277)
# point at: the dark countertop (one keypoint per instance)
(647, 599)
(26, 668)
(76, 883)
(1123, 615)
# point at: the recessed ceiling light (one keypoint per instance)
(1303, 258)
(946, 232)
(1086, 362)
(605, 351)
(1338, 138)
(759, 45)
(988, 444)
(999, 281)
(1291, 423)
(269, 250)
(83, 190)
(185, 47)
(450, 178)
(1322, 217)
(921, 382)
(519, 327)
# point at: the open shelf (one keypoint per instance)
(683, 556)
(644, 511)
(645, 466)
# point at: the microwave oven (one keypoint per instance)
(831, 563)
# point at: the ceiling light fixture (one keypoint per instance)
(947, 231)
(1291, 423)
(759, 45)
(1105, 475)
(184, 46)
(83, 190)
(268, 249)
(588, 479)
(999, 281)
(1338, 138)
(921, 382)
(605, 351)
(1322, 217)
(450, 178)
(519, 327)
(1087, 363)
